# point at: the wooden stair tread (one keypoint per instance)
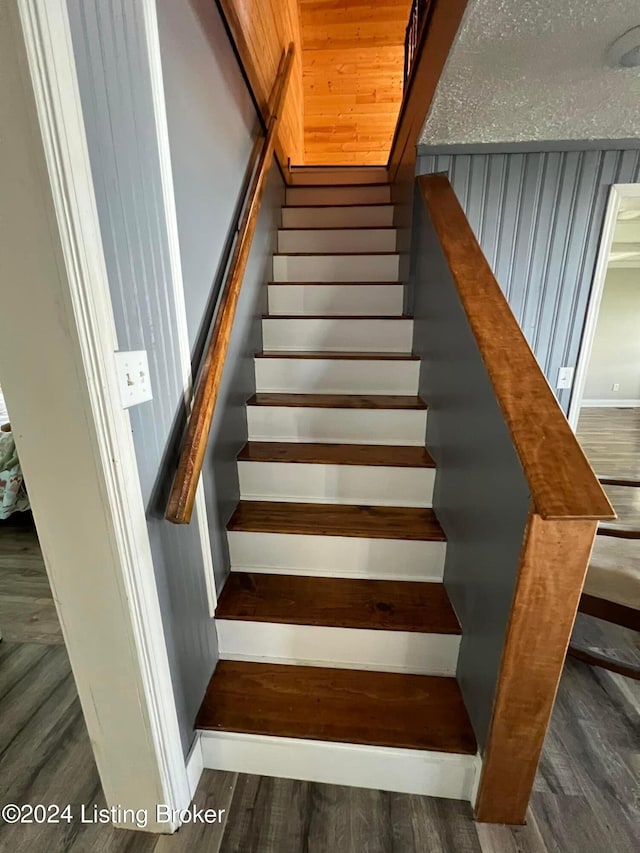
(338, 228)
(343, 356)
(339, 401)
(337, 454)
(335, 316)
(338, 204)
(338, 603)
(340, 283)
(332, 254)
(370, 522)
(346, 706)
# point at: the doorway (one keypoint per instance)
(608, 370)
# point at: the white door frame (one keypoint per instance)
(57, 343)
(617, 193)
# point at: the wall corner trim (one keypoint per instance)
(123, 575)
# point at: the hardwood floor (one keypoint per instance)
(585, 798)
(27, 612)
(611, 440)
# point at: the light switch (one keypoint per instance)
(133, 377)
(565, 378)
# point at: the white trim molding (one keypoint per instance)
(150, 17)
(408, 771)
(617, 193)
(610, 404)
(194, 764)
(57, 339)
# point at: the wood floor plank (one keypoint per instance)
(347, 706)
(338, 603)
(215, 791)
(375, 522)
(383, 455)
(339, 401)
(267, 816)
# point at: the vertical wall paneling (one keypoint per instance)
(209, 161)
(538, 217)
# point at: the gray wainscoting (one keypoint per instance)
(481, 495)
(212, 126)
(538, 218)
(115, 87)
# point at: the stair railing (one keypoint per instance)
(413, 33)
(514, 492)
(185, 483)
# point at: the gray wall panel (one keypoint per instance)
(115, 87)
(481, 494)
(212, 125)
(538, 217)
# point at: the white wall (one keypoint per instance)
(615, 358)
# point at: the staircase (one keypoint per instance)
(337, 639)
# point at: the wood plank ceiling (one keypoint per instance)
(352, 66)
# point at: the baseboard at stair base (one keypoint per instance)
(340, 648)
(337, 556)
(194, 764)
(408, 771)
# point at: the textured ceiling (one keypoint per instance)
(525, 70)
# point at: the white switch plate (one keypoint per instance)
(133, 377)
(565, 378)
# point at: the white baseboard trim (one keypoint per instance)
(610, 404)
(194, 764)
(409, 771)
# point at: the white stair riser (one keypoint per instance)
(341, 426)
(333, 176)
(336, 268)
(336, 556)
(376, 194)
(335, 335)
(342, 648)
(338, 240)
(336, 376)
(336, 299)
(374, 485)
(382, 768)
(359, 216)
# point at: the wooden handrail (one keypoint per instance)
(562, 483)
(185, 483)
